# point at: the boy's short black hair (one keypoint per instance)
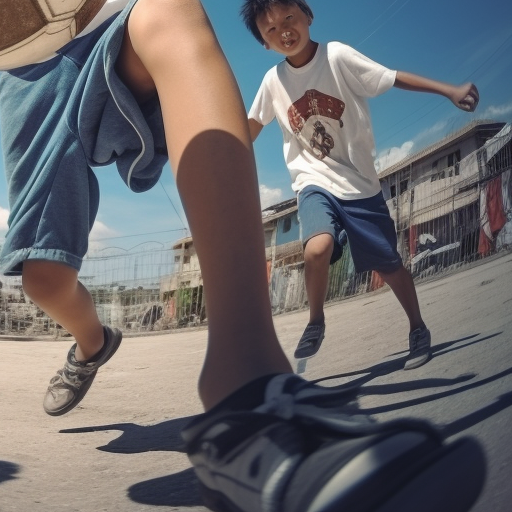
(251, 9)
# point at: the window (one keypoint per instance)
(186, 259)
(403, 186)
(392, 190)
(454, 158)
(453, 161)
(177, 259)
(287, 224)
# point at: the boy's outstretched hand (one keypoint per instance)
(465, 97)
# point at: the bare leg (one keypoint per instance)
(317, 255)
(55, 288)
(171, 43)
(402, 284)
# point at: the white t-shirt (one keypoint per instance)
(323, 113)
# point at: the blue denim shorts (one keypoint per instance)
(58, 120)
(365, 223)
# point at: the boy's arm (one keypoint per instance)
(254, 129)
(463, 96)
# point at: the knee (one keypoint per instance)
(318, 250)
(44, 280)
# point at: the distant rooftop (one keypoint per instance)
(279, 209)
(449, 139)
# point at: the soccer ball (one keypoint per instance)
(33, 30)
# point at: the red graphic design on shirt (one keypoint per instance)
(316, 103)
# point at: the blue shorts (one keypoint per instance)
(366, 224)
(58, 119)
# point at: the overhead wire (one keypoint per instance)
(172, 204)
(486, 64)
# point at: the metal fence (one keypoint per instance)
(442, 227)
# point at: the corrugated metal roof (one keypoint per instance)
(279, 210)
(449, 139)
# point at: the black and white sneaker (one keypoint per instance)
(419, 348)
(310, 341)
(72, 382)
(303, 450)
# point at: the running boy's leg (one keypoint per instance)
(317, 257)
(172, 45)
(55, 288)
(402, 284)
(53, 198)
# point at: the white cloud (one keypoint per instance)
(497, 112)
(390, 156)
(99, 232)
(4, 215)
(432, 133)
(270, 196)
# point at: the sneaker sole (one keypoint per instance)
(309, 355)
(411, 364)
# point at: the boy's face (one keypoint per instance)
(285, 29)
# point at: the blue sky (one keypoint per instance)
(450, 41)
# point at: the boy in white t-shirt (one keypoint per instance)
(318, 95)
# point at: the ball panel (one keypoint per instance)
(35, 49)
(87, 12)
(60, 8)
(20, 20)
(33, 30)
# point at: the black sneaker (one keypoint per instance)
(301, 452)
(72, 382)
(310, 341)
(419, 345)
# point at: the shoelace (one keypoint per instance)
(70, 375)
(337, 419)
(418, 339)
(287, 406)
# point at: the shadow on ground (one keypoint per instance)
(178, 490)
(182, 489)
(165, 436)
(8, 471)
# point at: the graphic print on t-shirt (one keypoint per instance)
(315, 104)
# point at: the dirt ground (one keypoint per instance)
(121, 450)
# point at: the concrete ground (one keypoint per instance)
(120, 450)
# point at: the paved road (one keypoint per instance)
(120, 450)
